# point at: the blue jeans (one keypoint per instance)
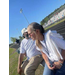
(60, 71)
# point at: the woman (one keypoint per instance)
(52, 47)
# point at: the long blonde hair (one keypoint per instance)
(38, 44)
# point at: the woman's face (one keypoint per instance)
(32, 34)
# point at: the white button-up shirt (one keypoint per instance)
(53, 51)
(28, 46)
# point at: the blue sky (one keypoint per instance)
(34, 10)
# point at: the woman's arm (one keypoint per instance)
(47, 61)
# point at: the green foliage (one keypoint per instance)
(20, 37)
(13, 39)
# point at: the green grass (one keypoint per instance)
(13, 62)
(13, 59)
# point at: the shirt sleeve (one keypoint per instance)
(59, 42)
(22, 50)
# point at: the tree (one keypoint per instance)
(20, 37)
(13, 39)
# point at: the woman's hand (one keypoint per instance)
(57, 65)
(47, 61)
(52, 68)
